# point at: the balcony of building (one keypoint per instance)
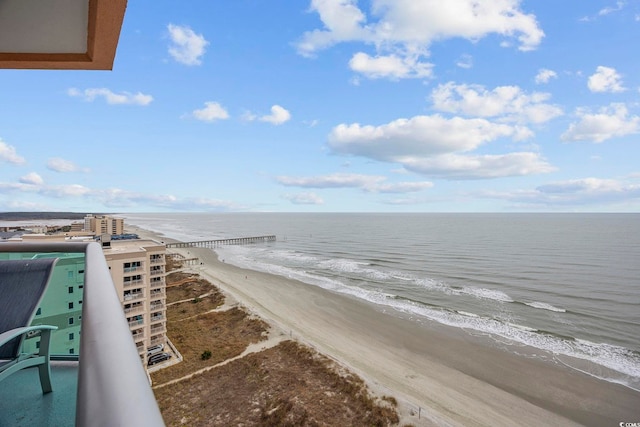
(157, 293)
(135, 321)
(157, 259)
(158, 339)
(135, 308)
(157, 270)
(157, 281)
(159, 328)
(157, 305)
(133, 295)
(132, 280)
(130, 267)
(157, 317)
(108, 384)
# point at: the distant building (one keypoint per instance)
(76, 227)
(103, 224)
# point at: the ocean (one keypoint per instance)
(565, 283)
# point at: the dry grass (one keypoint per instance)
(189, 286)
(287, 385)
(225, 334)
(184, 310)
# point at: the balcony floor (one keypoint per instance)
(23, 404)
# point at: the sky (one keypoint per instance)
(337, 106)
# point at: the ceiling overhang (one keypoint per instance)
(60, 34)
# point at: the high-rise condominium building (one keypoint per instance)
(137, 268)
(104, 224)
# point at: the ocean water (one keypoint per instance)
(565, 283)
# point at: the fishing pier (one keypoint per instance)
(221, 242)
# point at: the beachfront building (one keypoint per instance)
(137, 269)
(103, 224)
(62, 303)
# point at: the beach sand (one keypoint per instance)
(440, 375)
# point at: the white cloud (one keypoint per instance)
(454, 166)
(304, 199)
(58, 164)
(508, 103)
(418, 136)
(544, 75)
(433, 146)
(605, 79)
(110, 97)
(610, 9)
(186, 47)
(32, 179)
(113, 198)
(278, 116)
(31, 184)
(343, 21)
(368, 183)
(574, 192)
(389, 66)
(401, 187)
(64, 191)
(465, 61)
(9, 154)
(405, 29)
(211, 112)
(610, 122)
(337, 180)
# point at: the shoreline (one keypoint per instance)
(443, 374)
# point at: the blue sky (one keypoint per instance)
(337, 105)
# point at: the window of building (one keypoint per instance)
(72, 351)
(38, 345)
(70, 274)
(70, 289)
(71, 336)
(71, 320)
(70, 306)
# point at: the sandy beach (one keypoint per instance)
(439, 375)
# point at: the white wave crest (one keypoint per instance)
(545, 306)
(482, 293)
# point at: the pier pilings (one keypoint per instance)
(220, 242)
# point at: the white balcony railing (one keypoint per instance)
(155, 293)
(133, 282)
(133, 296)
(156, 271)
(156, 329)
(133, 310)
(157, 318)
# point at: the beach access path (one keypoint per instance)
(440, 375)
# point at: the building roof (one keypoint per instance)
(60, 34)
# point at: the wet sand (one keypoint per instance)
(440, 375)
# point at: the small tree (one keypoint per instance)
(205, 355)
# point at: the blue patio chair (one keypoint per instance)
(22, 285)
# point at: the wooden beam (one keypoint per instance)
(103, 33)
